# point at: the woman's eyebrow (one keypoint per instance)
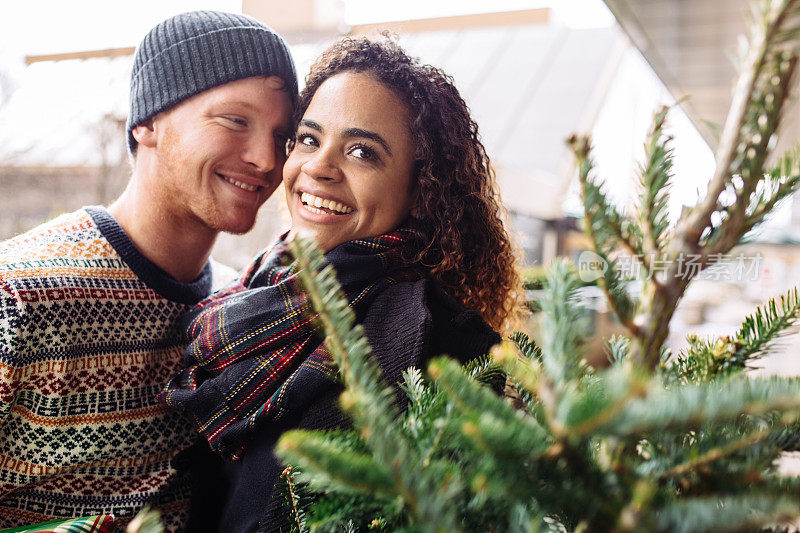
(311, 124)
(358, 132)
(352, 132)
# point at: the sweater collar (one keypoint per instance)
(147, 271)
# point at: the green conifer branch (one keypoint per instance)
(527, 346)
(325, 465)
(523, 371)
(716, 454)
(751, 180)
(782, 182)
(717, 223)
(564, 324)
(618, 348)
(706, 359)
(731, 513)
(609, 223)
(147, 520)
(632, 516)
(773, 22)
(563, 329)
(655, 177)
(371, 403)
(491, 423)
(604, 227)
(427, 410)
(697, 404)
(297, 514)
(763, 327)
(486, 370)
(584, 413)
(786, 438)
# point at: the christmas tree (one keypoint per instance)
(654, 442)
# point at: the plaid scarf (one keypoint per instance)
(253, 341)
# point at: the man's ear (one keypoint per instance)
(145, 133)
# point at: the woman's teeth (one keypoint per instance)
(313, 203)
(245, 186)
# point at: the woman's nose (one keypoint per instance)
(322, 165)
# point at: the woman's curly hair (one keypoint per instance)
(457, 217)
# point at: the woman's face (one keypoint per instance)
(349, 175)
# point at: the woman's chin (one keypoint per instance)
(324, 242)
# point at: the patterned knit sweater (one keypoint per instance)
(88, 337)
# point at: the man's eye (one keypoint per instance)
(238, 121)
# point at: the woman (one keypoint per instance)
(388, 176)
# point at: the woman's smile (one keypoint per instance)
(324, 206)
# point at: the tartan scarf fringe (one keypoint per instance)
(250, 343)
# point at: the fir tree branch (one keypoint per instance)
(693, 405)
(147, 520)
(424, 413)
(563, 329)
(564, 324)
(325, 465)
(786, 438)
(527, 346)
(732, 513)
(705, 360)
(609, 223)
(655, 178)
(437, 439)
(486, 370)
(297, 513)
(371, 403)
(633, 514)
(761, 91)
(782, 182)
(763, 327)
(583, 415)
(604, 226)
(523, 371)
(618, 349)
(491, 422)
(734, 223)
(716, 454)
(765, 36)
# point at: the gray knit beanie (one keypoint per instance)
(196, 51)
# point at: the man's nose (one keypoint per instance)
(261, 152)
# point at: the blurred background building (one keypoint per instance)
(532, 72)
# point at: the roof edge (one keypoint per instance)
(459, 22)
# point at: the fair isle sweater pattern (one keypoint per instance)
(88, 336)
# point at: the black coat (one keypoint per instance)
(406, 324)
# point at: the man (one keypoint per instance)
(89, 302)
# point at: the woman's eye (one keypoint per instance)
(363, 152)
(306, 140)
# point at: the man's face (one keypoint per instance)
(220, 153)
